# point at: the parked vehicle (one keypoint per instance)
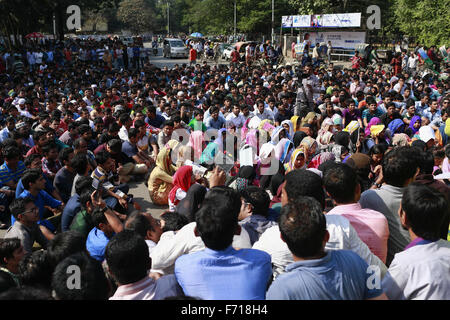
(174, 48)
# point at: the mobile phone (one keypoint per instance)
(96, 184)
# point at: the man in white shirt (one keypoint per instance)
(413, 61)
(235, 118)
(261, 112)
(31, 60)
(421, 271)
(38, 57)
(300, 183)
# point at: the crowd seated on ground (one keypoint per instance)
(277, 183)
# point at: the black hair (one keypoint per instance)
(102, 156)
(36, 270)
(64, 154)
(399, 165)
(173, 221)
(64, 244)
(132, 133)
(38, 134)
(30, 176)
(127, 257)
(93, 284)
(302, 182)
(303, 226)
(77, 142)
(419, 144)
(115, 145)
(83, 129)
(98, 216)
(18, 206)
(425, 160)
(26, 293)
(377, 149)
(426, 209)
(258, 198)
(114, 127)
(340, 182)
(48, 147)
(6, 281)
(139, 123)
(7, 248)
(11, 153)
(124, 117)
(137, 222)
(79, 163)
(217, 219)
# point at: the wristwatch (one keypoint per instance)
(104, 209)
(378, 185)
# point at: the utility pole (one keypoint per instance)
(273, 20)
(234, 33)
(168, 19)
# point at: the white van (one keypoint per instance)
(175, 48)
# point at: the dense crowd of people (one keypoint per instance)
(289, 183)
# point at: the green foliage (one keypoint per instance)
(426, 20)
(136, 15)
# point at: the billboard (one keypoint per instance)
(336, 20)
(343, 40)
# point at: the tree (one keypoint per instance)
(136, 15)
(425, 20)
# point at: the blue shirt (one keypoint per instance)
(340, 275)
(41, 200)
(224, 275)
(96, 244)
(214, 124)
(6, 174)
(156, 122)
(48, 187)
(70, 210)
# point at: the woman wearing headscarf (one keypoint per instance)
(321, 158)
(289, 127)
(196, 141)
(325, 135)
(278, 134)
(400, 139)
(310, 148)
(337, 121)
(373, 122)
(160, 180)
(396, 126)
(282, 150)
(298, 160)
(210, 152)
(189, 206)
(296, 123)
(182, 181)
(309, 124)
(266, 162)
(414, 126)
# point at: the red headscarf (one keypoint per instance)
(181, 180)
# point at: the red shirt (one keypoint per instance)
(234, 56)
(192, 54)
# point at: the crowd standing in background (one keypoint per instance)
(280, 183)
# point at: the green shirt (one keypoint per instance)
(82, 223)
(195, 125)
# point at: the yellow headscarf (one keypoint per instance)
(172, 144)
(375, 130)
(294, 156)
(311, 115)
(294, 120)
(164, 161)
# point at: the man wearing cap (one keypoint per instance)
(22, 110)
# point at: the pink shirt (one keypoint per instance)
(149, 289)
(371, 226)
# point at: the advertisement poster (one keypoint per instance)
(339, 39)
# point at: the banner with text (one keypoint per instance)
(344, 40)
(338, 20)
